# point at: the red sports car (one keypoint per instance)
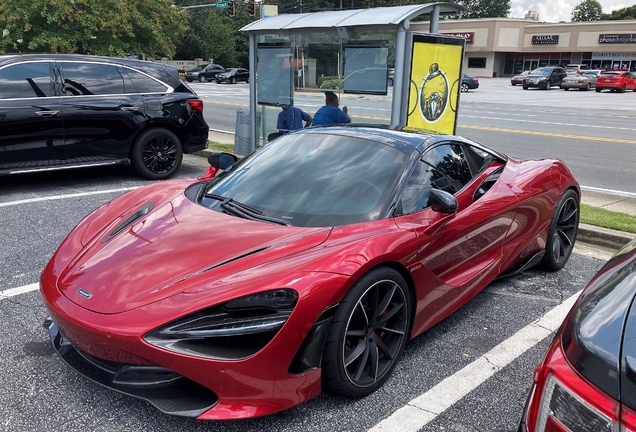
(303, 267)
(616, 81)
(587, 382)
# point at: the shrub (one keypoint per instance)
(333, 83)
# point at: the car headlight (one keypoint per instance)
(232, 331)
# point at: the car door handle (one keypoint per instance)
(46, 113)
(128, 108)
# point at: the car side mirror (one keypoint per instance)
(442, 201)
(221, 160)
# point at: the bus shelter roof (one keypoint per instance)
(374, 17)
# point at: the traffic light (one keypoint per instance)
(251, 7)
(231, 10)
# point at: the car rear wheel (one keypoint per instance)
(622, 90)
(367, 334)
(562, 233)
(202, 78)
(232, 80)
(464, 88)
(566, 88)
(389, 82)
(598, 90)
(156, 154)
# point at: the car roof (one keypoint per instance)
(17, 58)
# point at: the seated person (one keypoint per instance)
(330, 113)
(291, 119)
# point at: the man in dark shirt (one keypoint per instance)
(291, 119)
(330, 113)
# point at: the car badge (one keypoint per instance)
(84, 293)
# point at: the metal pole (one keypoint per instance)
(252, 91)
(398, 75)
(434, 20)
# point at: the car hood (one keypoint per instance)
(174, 242)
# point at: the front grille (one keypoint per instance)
(169, 392)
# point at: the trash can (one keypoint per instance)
(242, 146)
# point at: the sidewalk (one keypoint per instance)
(589, 234)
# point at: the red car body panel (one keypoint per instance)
(616, 81)
(209, 258)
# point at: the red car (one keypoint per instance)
(616, 81)
(587, 382)
(518, 79)
(303, 267)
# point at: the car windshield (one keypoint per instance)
(572, 71)
(231, 70)
(524, 73)
(610, 74)
(542, 71)
(198, 68)
(314, 180)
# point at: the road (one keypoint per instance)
(594, 133)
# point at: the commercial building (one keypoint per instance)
(506, 46)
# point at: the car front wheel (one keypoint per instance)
(156, 154)
(367, 335)
(562, 233)
(202, 78)
(232, 80)
(464, 88)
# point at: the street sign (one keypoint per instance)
(221, 5)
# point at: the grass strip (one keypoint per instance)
(608, 219)
(221, 147)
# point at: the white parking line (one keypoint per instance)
(426, 407)
(19, 290)
(550, 123)
(59, 197)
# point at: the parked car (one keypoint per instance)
(587, 382)
(64, 110)
(390, 78)
(468, 82)
(544, 77)
(582, 81)
(576, 68)
(518, 79)
(233, 75)
(315, 274)
(204, 73)
(616, 81)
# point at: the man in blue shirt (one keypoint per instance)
(291, 119)
(330, 113)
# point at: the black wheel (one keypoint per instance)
(598, 90)
(588, 87)
(513, 84)
(202, 78)
(367, 334)
(156, 154)
(464, 88)
(622, 90)
(232, 80)
(566, 88)
(525, 87)
(389, 82)
(562, 232)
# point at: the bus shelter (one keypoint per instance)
(367, 57)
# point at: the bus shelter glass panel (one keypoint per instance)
(296, 70)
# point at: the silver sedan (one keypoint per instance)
(583, 81)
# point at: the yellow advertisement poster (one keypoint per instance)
(436, 66)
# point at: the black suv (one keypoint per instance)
(204, 73)
(544, 77)
(65, 110)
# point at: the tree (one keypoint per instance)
(627, 13)
(485, 8)
(587, 10)
(102, 27)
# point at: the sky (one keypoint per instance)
(559, 10)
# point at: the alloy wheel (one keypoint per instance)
(375, 333)
(160, 154)
(565, 230)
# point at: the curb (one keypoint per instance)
(604, 237)
(588, 234)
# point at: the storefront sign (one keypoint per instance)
(545, 39)
(614, 55)
(616, 38)
(468, 36)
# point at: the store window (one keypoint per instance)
(477, 62)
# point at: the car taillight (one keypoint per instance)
(197, 104)
(565, 402)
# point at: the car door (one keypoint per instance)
(31, 125)
(100, 116)
(631, 81)
(243, 75)
(464, 248)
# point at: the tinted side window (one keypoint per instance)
(417, 189)
(451, 171)
(26, 80)
(91, 79)
(143, 83)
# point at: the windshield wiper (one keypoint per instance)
(243, 210)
